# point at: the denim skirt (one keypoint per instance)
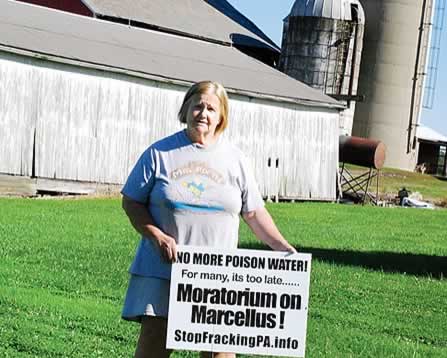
(146, 296)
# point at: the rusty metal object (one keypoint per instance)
(361, 151)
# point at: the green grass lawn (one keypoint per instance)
(377, 286)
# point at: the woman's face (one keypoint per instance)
(203, 114)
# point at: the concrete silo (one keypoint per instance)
(397, 37)
(321, 46)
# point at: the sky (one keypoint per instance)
(268, 16)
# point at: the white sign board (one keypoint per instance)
(240, 301)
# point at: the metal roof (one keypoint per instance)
(430, 135)
(229, 10)
(63, 37)
(331, 9)
(195, 17)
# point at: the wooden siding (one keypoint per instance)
(17, 116)
(294, 149)
(92, 125)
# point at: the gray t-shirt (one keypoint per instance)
(195, 194)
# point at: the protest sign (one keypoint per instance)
(240, 301)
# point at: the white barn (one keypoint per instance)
(81, 98)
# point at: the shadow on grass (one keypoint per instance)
(411, 264)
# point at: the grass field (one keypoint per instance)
(433, 189)
(378, 286)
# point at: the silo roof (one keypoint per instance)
(331, 9)
(87, 42)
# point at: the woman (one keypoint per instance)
(188, 188)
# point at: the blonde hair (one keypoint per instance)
(203, 87)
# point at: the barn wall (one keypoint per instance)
(91, 126)
(17, 117)
(294, 149)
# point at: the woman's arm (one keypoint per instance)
(262, 225)
(143, 222)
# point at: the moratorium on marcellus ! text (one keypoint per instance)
(248, 317)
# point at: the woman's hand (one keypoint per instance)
(142, 221)
(291, 249)
(167, 246)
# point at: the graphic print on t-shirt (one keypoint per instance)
(196, 187)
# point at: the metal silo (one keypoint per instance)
(321, 46)
(397, 36)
